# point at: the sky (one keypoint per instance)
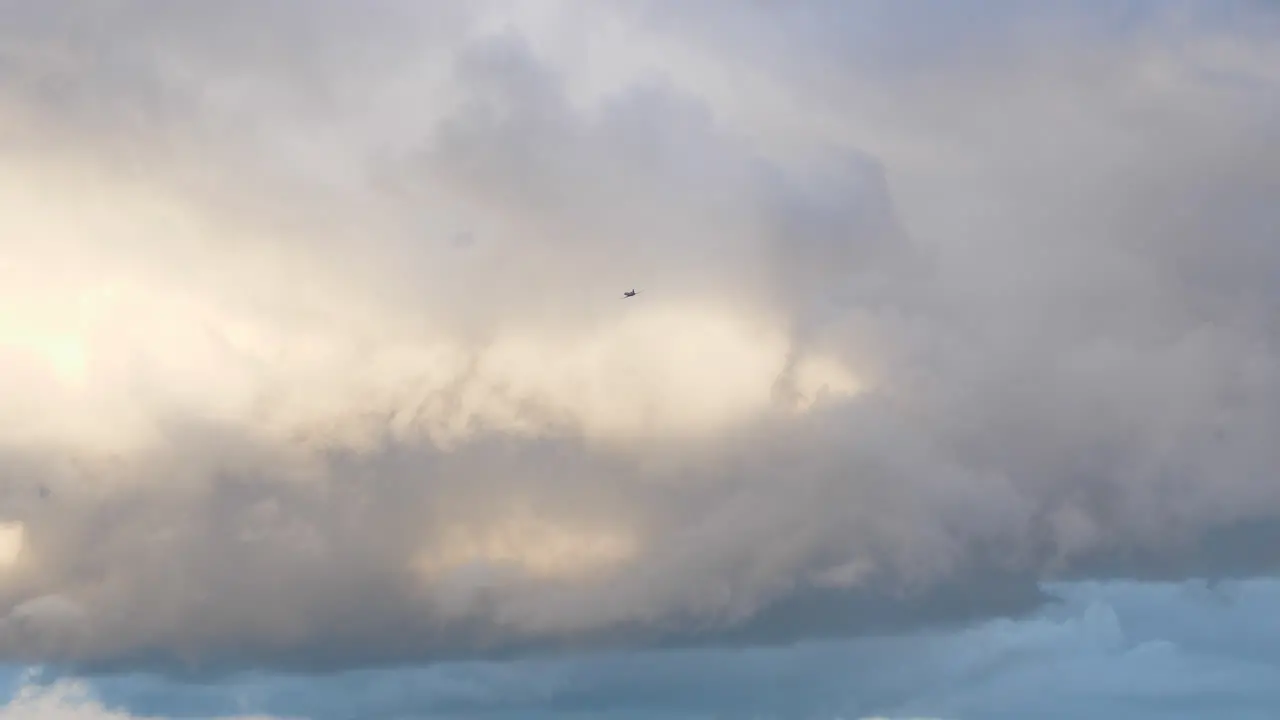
(950, 392)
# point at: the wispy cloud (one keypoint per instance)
(73, 701)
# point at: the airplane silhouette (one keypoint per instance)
(629, 293)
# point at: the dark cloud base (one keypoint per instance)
(803, 617)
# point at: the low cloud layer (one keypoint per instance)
(1123, 650)
(313, 351)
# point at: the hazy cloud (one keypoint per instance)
(313, 351)
(72, 701)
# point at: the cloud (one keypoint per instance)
(71, 701)
(1126, 650)
(986, 306)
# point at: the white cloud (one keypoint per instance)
(66, 700)
(988, 301)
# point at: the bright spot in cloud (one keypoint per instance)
(12, 540)
(536, 547)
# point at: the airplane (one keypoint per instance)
(629, 293)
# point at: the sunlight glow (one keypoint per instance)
(139, 310)
(12, 541)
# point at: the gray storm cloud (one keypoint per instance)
(311, 349)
